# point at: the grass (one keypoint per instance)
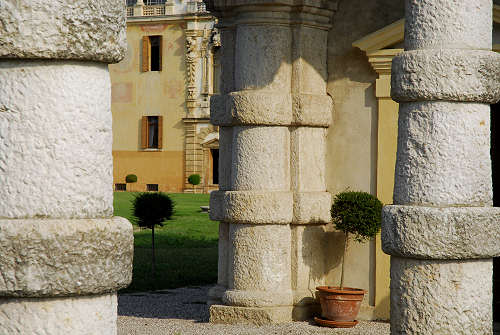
(186, 246)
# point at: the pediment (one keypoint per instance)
(211, 141)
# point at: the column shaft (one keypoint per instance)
(63, 255)
(273, 111)
(445, 80)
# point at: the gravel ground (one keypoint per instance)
(184, 312)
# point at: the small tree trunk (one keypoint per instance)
(153, 261)
(343, 261)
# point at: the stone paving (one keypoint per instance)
(184, 312)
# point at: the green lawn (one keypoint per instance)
(186, 246)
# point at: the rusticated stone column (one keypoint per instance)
(62, 254)
(273, 112)
(442, 231)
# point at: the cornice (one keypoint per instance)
(381, 60)
(169, 18)
(382, 38)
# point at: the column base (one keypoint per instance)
(250, 315)
(59, 316)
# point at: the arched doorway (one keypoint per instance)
(495, 160)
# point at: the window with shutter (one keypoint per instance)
(152, 47)
(152, 132)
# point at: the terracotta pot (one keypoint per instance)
(340, 304)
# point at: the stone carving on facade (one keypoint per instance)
(191, 68)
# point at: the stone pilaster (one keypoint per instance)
(63, 255)
(201, 39)
(273, 112)
(442, 231)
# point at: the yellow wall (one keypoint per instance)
(162, 168)
(136, 94)
(355, 138)
(386, 162)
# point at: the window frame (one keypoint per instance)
(147, 53)
(146, 121)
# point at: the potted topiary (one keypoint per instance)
(194, 180)
(130, 179)
(359, 214)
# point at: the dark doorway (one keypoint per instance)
(215, 163)
(495, 166)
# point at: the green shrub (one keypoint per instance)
(357, 213)
(131, 178)
(194, 179)
(152, 208)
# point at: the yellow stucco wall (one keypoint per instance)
(362, 126)
(136, 94)
(386, 161)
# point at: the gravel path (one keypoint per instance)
(184, 312)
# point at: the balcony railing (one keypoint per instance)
(153, 10)
(160, 8)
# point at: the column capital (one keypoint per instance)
(306, 12)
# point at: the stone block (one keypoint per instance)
(77, 29)
(307, 159)
(312, 208)
(451, 75)
(49, 258)
(260, 258)
(441, 233)
(81, 315)
(262, 59)
(260, 159)
(250, 315)
(443, 154)
(252, 108)
(252, 207)
(312, 110)
(441, 297)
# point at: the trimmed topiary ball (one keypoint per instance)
(152, 209)
(131, 178)
(357, 213)
(194, 179)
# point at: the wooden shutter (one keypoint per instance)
(160, 52)
(145, 54)
(160, 131)
(144, 132)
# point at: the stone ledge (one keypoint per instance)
(50, 258)
(312, 110)
(446, 74)
(246, 108)
(255, 298)
(249, 207)
(250, 315)
(312, 208)
(441, 233)
(77, 29)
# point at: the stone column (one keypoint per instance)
(273, 112)
(442, 231)
(63, 255)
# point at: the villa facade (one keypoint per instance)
(160, 98)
